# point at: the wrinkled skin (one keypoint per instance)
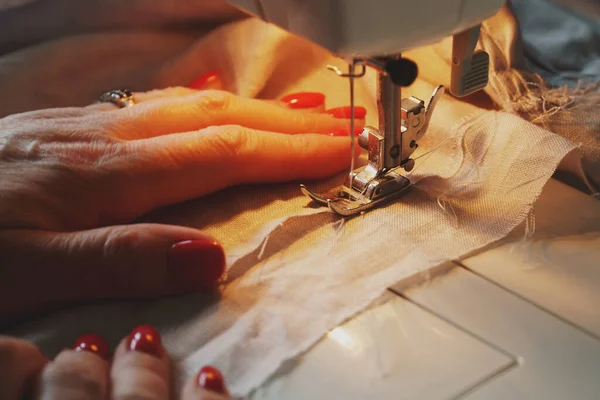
(73, 178)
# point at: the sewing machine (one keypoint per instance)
(518, 321)
(342, 28)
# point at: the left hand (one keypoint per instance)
(71, 180)
(139, 369)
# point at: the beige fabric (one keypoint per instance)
(295, 271)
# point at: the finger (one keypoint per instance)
(214, 108)
(20, 364)
(177, 91)
(140, 367)
(208, 81)
(308, 101)
(208, 384)
(142, 97)
(130, 261)
(173, 168)
(345, 112)
(80, 373)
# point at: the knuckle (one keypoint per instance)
(233, 141)
(120, 244)
(214, 102)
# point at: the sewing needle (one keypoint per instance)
(352, 145)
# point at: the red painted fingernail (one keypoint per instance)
(146, 339)
(346, 132)
(211, 379)
(197, 263)
(209, 80)
(304, 100)
(94, 344)
(344, 112)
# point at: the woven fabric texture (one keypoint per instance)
(296, 271)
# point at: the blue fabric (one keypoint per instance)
(561, 41)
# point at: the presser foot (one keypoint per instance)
(402, 123)
(345, 201)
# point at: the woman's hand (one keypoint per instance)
(140, 368)
(71, 178)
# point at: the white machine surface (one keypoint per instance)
(518, 321)
(342, 26)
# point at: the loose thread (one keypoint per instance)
(263, 247)
(338, 229)
(443, 142)
(443, 198)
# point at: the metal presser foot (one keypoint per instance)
(346, 201)
(403, 122)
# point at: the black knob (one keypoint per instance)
(402, 71)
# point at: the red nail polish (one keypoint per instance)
(94, 344)
(209, 80)
(346, 132)
(304, 100)
(198, 263)
(211, 379)
(146, 339)
(344, 112)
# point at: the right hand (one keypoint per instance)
(139, 369)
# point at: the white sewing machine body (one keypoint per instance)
(372, 28)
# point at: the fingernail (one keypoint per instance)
(209, 80)
(344, 112)
(345, 132)
(304, 100)
(94, 344)
(211, 379)
(199, 262)
(145, 339)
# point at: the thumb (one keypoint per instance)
(49, 269)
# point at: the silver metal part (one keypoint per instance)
(339, 72)
(346, 202)
(390, 120)
(402, 123)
